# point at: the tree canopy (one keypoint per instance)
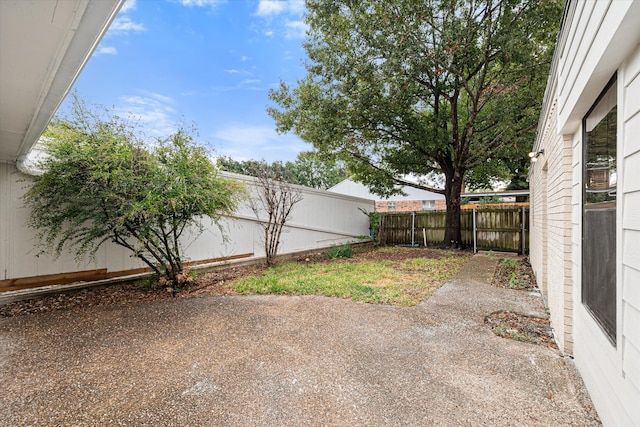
(422, 87)
(308, 169)
(102, 183)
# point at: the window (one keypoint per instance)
(428, 205)
(391, 206)
(599, 211)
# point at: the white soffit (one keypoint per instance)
(44, 44)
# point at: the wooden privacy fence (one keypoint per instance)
(498, 229)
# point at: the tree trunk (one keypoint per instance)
(452, 233)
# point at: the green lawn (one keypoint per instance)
(404, 282)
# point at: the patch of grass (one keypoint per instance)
(438, 270)
(343, 251)
(404, 282)
(147, 282)
(505, 331)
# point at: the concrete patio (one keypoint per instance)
(278, 360)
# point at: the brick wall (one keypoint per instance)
(401, 206)
(550, 245)
(440, 205)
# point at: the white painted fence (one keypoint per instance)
(320, 220)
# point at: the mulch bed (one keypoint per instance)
(520, 327)
(126, 293)
(514, 273)
(212, 283)
(518, 274)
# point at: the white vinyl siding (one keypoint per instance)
(611, 373)
(599, 39)
(630, 245)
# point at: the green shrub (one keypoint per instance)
(148, 282)
(509, 269)
(485, 200)
(374, 222)
(343, 251)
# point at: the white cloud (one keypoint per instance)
(250, 81)
(201, 3)
(276, 7)
(270, 7)
(282, 17)
(296, 29)
(244, 58)
(243, 141)
(106, 50)
(124, 24)
(128, 5)
(152, 112)
(232, 71)
(161, 98)
(296, 6)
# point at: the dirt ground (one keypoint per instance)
(506, 324)
(212, 283)
(518, 326)
(515, 274)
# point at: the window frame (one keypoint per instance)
(589, 296)
(432, 205)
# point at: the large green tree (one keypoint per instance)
(312, 170)
(308, 169)
(101, 183)
(422, 87)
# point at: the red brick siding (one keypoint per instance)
(441, 205)
(403, 206)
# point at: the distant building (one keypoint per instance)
(415, 200)
(506, 198)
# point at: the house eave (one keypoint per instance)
(43, 48)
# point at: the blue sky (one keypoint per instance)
(210, 62)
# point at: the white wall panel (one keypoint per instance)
(605, 32)
(630, 365)
(631, 249)
(630, 177)
(632, 128)
(631, 103)
(631, 211)
(631, 293)
(600, 39)
(318, 221)
(597, 360)
(632, 68)
(631, 331)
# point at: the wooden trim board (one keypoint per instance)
(89, 275)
